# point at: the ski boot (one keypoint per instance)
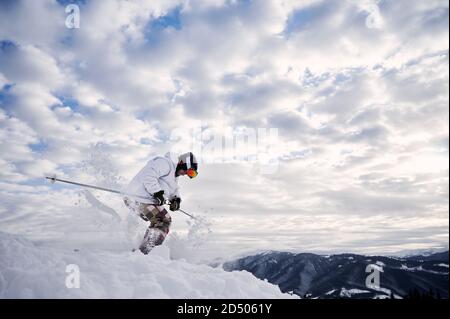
(153, 237)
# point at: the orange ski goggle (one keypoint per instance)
(191, 172)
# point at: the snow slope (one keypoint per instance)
(96, 232)
(28, 270)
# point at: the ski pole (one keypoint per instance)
(54, 179)
(187, 214)
(167, 202)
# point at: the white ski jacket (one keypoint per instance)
(158, 174)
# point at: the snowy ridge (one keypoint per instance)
(350, 292)
(345, 276)
(31, 271)
(420, 268)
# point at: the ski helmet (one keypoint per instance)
(188, 162)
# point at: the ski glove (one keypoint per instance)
(159, 198)
(175, 204)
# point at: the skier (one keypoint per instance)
(158, 181)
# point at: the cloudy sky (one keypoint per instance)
(357, 91)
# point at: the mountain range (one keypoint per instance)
(346, 275)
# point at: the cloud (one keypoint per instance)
(15, 137)
(28, 64)
(34, 23)
(358, 91)
(372, 135)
